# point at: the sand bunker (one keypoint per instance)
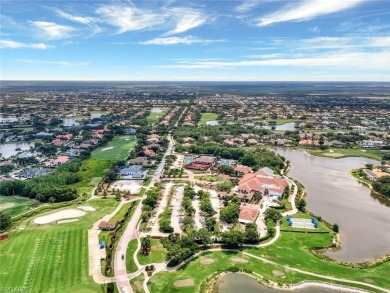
(206, 261)
(5, 206)
(239, 260)
(87, 209)
(106, 149)
(60, 215)
(184, 283)
(278, 273)
(367, 280)
(67, 221)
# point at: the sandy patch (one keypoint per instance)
(367, 280)
(184, 283)
(206, 261)
(106, 149)
(134, 186)
(331, 151)
(87, 209)
(57, 216)
(278, 273)
(363, 150)
(127, 138)
(239, 260)
(67, 221)
(5, 206)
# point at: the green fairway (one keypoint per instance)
(340, 153)
(14, 206)
(116, 149)
(51, 258)
(155, 116)
(292, 249)
(157, 254)
(207, 117)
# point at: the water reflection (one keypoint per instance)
(363, 217)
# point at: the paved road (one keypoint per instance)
(130, 233)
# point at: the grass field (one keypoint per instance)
(131, 267)
(207, 117)
(14, 206)
(117, 149)
(158, 253)
(292, 249)
(137, 284)
(51, 258)
(155, 116)
(340, 153)
(89, 170)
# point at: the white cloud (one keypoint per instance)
(129, 18)
(306, 10)
(247, 5)
(75, 18)
(179, 41)
(9, 44)
(58, 63)
(342, 60)
(186, 19)
(53, 31)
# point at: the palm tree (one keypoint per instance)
(145, 245)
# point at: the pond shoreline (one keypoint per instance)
(210, 284)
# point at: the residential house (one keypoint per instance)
(248, 213)
(139, 161)
(370, 175)
(57, 161)
(338, 144)
(132, 172)
(29, 173)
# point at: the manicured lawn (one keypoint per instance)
(130, 264)
(339, 153)
(14, 206)
(292, 249)
(51, 258)
(116, 149)
(158, 253)
(137, 284)
(321, 226)
(207, 117)
(155, 116)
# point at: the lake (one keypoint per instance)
(9, 149)
(363, 218)
(234, 282)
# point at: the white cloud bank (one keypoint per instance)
(306, 10)
(179, 41)
(10, 44)
(53, 31)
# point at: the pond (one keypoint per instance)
(283, 127)
(234, 282)
(363, 218)
(70, 122)
(9, 149)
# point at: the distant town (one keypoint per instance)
(133, 188)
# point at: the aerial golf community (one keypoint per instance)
(142, 204)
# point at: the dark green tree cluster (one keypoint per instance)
(5, 221)
(382, 185)
(55, 187)
(179, 247)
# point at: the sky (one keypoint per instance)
(244, 40)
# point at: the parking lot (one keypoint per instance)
(160, 208)
(176, 209)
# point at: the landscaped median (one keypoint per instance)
(111, 238)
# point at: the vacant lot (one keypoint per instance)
(117, 149)
(207, 117)
(51, 258)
